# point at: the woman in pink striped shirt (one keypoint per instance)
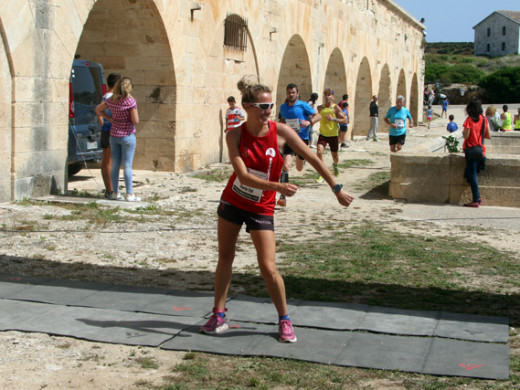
(122, 135)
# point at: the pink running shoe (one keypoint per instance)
(286, 332)
(216, 324)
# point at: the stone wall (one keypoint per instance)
(439, 177)
(182, 72)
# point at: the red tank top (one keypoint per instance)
(263, 159)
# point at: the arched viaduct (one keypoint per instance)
(183, 71)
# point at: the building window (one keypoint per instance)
(235, 32)
(503, 30)
(488, 47)
(488, 32)
(503, 46)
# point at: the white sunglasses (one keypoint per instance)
(263, 106)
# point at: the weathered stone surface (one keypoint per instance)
(183, 72)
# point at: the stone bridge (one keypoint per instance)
(185, 58)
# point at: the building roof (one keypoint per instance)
(513, 15)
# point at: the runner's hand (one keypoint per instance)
(288, 189)
(344, 198)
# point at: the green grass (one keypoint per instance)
(217, 175)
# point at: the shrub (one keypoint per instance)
(466, 74)
(503, 86)
(434, 72)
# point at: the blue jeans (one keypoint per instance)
(470, 173)
(123, 149)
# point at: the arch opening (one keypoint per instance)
(145, 56)
(362, 99)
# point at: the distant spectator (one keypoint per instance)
(493, 117)
(374, 114)
(517, 120)
(507, 120)
(475, 129)
(429, 115)
(444, 112)
(234, 114)
(452, 126)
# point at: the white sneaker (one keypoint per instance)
(117, 196)
(132, 198)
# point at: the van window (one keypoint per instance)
(87, 84)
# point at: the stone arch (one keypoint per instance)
(295, 68)
(225, 66)
(130, 38)
(335, 76)
(401, 85)
(6, 130)
(414, 99)
(384, 96)
(362, 99)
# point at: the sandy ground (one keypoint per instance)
(177, 249)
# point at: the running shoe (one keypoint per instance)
(480, 201)
(216, 324)
(117, 196)
(108, 194)
(344, 145)
(472, 204)
(132, 198)
(282, 201)
(336, 170)
(286, 332)
(319, 180)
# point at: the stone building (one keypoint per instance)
(498, 34)
(184, 63)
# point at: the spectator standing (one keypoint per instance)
(123, 107)
(429, 115)
(234, 115)
(343, 127)
(445, 104)
(476, 128)
(312, 102)
(106, 157)
(374, 119)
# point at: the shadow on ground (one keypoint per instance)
(306, 288)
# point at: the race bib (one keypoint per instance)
(293, 124)
(250, 193)
(399, 123)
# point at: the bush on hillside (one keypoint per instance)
(466, 74)
(503, 86)
(434, 72)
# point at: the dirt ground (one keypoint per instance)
(179, 251)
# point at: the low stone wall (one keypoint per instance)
(439, 177)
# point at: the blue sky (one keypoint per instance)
(453, 20)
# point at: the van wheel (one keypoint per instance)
(72, 169)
